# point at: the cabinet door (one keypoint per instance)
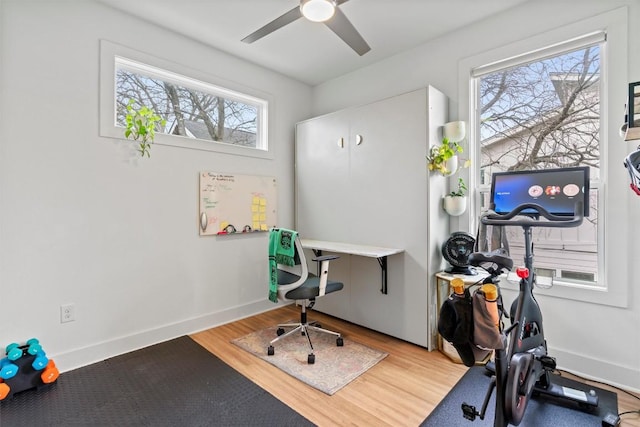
(389, 208)
(388, 172)
(322, 165)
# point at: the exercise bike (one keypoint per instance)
(522, 366)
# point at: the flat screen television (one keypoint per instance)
(556, 190)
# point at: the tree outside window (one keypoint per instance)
(539, 115)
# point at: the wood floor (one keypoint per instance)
(401, 390)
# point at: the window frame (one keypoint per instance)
(613, 260)
(111, 54)
(559, 49)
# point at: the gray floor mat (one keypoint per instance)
(175, 383)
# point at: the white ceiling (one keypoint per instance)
(305, 50)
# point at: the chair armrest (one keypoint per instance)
(324, 271)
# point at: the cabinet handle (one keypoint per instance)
(341, 142)
(358, 139)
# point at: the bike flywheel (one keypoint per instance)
(518, 388)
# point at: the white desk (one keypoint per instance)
(377, 252)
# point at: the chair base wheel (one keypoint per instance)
(339, 342)
(270, 351)
(280, 331)
(311, 359)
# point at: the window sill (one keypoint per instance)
(115, 132)
(592, 294)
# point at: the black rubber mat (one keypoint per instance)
(540, 412)
(175, 383)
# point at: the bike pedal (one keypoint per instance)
(469, 412)
(548, 362)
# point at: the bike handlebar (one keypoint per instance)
(525, 220)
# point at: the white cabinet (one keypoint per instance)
(373, 188)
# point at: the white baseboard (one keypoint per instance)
(79, 357)
(624, 377)
(594, 369)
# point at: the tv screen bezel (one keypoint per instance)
(531, 212)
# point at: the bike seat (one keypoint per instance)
(497, 257)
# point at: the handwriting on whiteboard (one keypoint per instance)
(232, 203)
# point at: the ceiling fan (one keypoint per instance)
(325, 11)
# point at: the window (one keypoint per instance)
(597, 265)
(539, 114)
(198, 113)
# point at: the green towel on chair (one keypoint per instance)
(281, 251)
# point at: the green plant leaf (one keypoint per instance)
(140, 125)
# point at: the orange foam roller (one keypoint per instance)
(4, 390)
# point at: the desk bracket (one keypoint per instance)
(383, 266)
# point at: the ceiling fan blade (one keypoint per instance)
(277, 23)
(344, 29)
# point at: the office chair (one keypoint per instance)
(296, 283)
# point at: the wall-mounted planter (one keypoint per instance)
(455, 205)
(452, 165)
(444, 158)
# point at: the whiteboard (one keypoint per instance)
(231, 204)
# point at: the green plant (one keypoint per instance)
(440, 154)
(141, 125)
(461, 191)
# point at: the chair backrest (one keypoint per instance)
(291, 277)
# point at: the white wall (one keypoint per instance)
(85, 221)
(596, 340)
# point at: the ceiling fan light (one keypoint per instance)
(317, 10)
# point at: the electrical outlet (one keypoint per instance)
(67, 313)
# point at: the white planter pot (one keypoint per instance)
(452, 165)
(455, 206)
(455, 131)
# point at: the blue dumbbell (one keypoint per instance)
(15, 353)
(34, 348)
(40, 362)
(11, 347)
(8, 371)
(4, 361)
(33, 341)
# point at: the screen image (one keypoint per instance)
(556, 190)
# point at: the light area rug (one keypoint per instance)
(334, 366)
